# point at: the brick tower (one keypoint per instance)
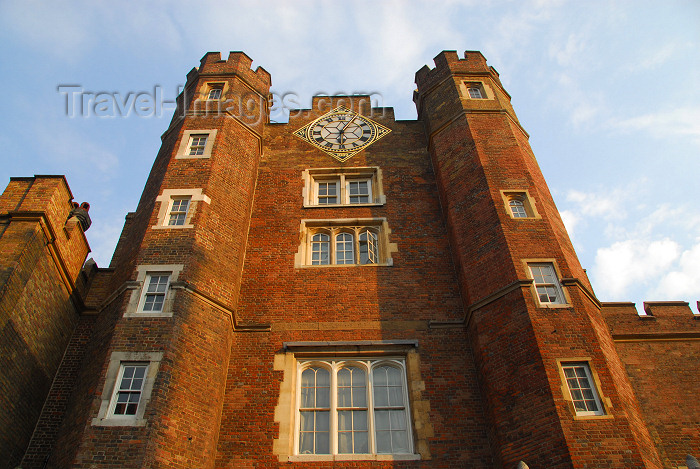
(525, 326)
(167, 321)
(341, 290)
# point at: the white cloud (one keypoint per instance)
(684, 279)
(684, 122)
(567, 54)
(652, 59)
(625, 263)
(606, 205)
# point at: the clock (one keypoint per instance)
(342, 133)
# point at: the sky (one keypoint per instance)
(607, 90)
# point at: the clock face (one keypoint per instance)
(342, 133)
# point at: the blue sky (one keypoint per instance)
(608, 91)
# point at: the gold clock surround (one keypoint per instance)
(342, 133)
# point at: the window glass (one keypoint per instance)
(359, 426)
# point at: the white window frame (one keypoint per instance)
(183, 151)
(593, 387)
(166, 203)
(145, 291)
(475, 92)
(196, 147)
(484, 90)
(177, 215)
(110, 389)
(367, 365)
(118, 388)
(138, 290)
(561, 298)
(374, 251)
(342, 178)
(526, 201)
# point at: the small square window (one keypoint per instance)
(154, 291)
(547, 284)
(214, 91)
(327, 192)
(475, 93)
(197, 144)
(519, 204)
(474, 90)
(359, 191)
(127, 392)
(178, 211)
(582, 390)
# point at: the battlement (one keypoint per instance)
(448, 63)
(361, 104)
(660, 318)
(237, 63)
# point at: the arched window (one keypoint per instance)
(369, 248)
(357, 406)
(517, 208)
(389, 410)
(320, 249)
(344, 249)
(352, 411)
(314, 411)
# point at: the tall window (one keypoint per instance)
(320, 249)
(127, 392)
(546, 283)
(178, 211)
(344, 249)
(198, 144)
(154, 292)
(369, 247)
(582, 390)
(353, 407)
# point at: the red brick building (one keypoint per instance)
(342, 290)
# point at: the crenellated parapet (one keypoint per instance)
(447, 90)
(448, 63)
(660, 319)
(238, 64)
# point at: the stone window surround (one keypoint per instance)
(166, 200)
(602, 400)
(104, 418)
(486, 90)
(308, 228)
(183, 149)
(285, 411)
(138, 293)
(533, 289)
(371, 173)
(524, 196)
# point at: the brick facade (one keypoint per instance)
(451, 301)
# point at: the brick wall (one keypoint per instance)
(39, 266)
(661, 352)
